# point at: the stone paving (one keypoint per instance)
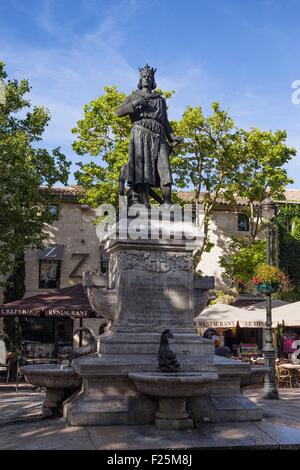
(22, 427)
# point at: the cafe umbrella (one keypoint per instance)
(67, 302)
(229, 316)
(288, 315)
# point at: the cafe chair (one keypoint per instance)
(283, 377)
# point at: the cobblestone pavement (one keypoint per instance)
(22, 427)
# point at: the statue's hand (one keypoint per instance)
(139, 103)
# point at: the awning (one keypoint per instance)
(68, 302)
(263, 305)
(289, 314)
(51, 252)
(228, 316)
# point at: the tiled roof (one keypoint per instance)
(67, 193)
(189, 197)
(72, 193)
(291, 195)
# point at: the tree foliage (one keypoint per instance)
(289, 245)
(207, 161)
(24, 167)
(263, 155)
(103, 135)
(243, 260)
(262, 172)
(14, 290)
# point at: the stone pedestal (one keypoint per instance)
(52, 405)
(155, 289)
(172, 414)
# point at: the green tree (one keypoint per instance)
(262, 172)
(240, 265)
(263, 155)
(103, 135)
(289, 245)
(24, 167)
(208, 161)
(14, 290)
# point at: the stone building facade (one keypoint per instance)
(72, 245)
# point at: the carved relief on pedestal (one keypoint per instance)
(155, 262)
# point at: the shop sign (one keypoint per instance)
(16, 312)
(252, 324)
(68, 313)
(217, 323)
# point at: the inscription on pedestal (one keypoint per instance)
(156, 289)
(156, 262)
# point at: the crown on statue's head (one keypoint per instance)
(147, 69)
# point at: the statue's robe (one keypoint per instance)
(148, 155)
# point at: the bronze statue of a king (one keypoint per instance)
(151, 141)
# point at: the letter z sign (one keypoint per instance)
(82, 257)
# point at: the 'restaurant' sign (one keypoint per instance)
(231, 323)
(217, 323)
(68, 313)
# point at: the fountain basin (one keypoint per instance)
(173, 389)
(58, 380)
(255, 377)
(51, 375)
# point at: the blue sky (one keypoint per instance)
(243, 53)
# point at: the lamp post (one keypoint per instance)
(270, 391)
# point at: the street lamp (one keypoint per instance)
(270, 391)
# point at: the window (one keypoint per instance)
(53, 209)
(243, 223)
(49, 274)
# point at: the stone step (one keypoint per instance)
(109, 410)
(184, 348)
(127, 336)
(121, 364)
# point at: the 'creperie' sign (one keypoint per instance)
(16, 311)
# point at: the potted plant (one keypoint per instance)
(267, 278)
